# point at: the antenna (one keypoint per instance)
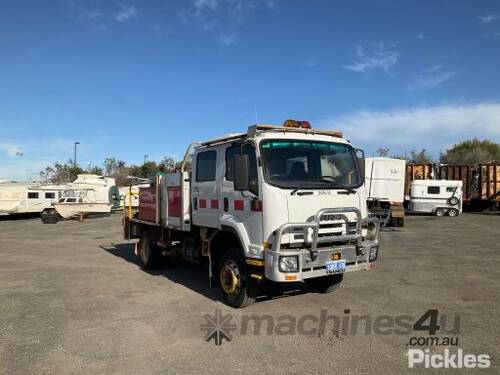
(256, 116)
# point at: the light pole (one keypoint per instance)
(145, 157)
(74, 160)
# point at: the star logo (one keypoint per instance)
(218, 327)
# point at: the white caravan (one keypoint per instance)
(23, 198)
(439, 197)
(385, 189)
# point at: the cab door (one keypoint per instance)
(205, 189)
(246, 207)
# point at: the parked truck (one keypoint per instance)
(280, 204)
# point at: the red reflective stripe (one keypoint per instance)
(214, 203)
(239, 205)
(203, 203)
(256, 206)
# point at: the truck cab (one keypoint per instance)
(285, 204)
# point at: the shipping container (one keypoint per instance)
(480, 182)
(418, 172)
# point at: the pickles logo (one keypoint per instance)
(449, 359)
(218, 327)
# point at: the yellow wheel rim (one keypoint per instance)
(230, 278)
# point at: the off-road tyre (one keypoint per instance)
(237, 287)
(149, 254)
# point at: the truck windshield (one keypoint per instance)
(301, 164)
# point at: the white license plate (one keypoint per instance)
(337, 266)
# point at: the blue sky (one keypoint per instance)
(129, 78)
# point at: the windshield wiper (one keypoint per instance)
(348, 190)
(339, 187)
(301, 193)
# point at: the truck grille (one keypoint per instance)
(327, 229)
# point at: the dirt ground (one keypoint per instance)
(73, 300)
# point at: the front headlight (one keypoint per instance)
(289, 263)
(373, 253)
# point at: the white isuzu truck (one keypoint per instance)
(281, 204)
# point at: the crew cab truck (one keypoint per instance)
(277, 203)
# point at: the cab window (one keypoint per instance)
(245, 149)
(206, 165)
(230, 152)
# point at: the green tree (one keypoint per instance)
(96, 170)
(109, 166)
(62, 173)
(472, 151)
(383, 152)
(149, 169)
(167, 165)
(419, 157)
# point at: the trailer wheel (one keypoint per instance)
(325, 284)
(453, 201)
(149, 254)
(439, 212)
(237, 287)
(453, 212)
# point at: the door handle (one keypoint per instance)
(226, 204)
(195, 203)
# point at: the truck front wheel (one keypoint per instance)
(238, 288)
(325, 284)
(149, 254)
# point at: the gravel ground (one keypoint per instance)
(73, 300)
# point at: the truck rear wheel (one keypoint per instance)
(325, 284)
(237, 287)
(149, 254)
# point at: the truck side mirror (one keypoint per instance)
(241, 179)
(360, 154)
